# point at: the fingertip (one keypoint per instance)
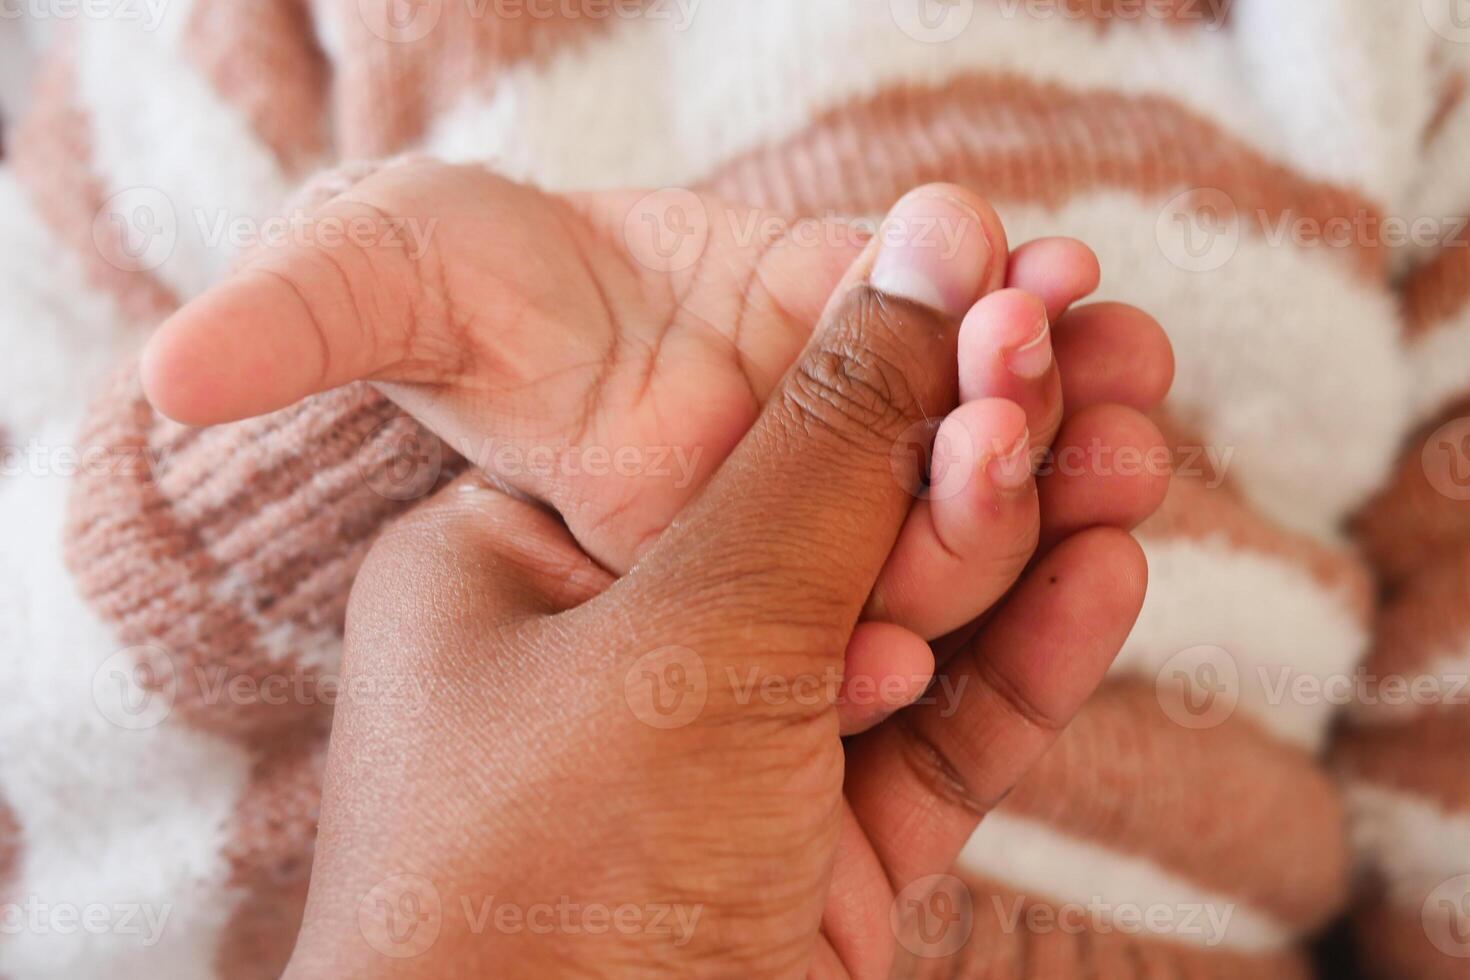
(940, 246)
(164, 385)
(1110, 467)
(1010, 330)
(1112, 558)
(1144, 460)
(1007, 314)
(996, 512)
(993, 228)
(238, 351)
(1154, 481)
(1061, 271)
(982, 448)
(1113, 352)
(1006, 351)
(181, 365)
(887, 668)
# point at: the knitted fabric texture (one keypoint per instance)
(1237, 167)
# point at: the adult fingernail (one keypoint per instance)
(1012, 469)
(1032, 358)
(933, 251)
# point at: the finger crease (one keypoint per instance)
(934, 770)
(1010, 694)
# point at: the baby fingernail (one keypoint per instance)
(1011, 470)
(1032, 359)
(934, 252)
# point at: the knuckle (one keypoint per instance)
(1014, 699)
(849, 392)
(845, 388)
(873, 369)
(935, 771)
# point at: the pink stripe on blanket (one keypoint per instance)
(53, 160)
(1421, 516)
(239, 571)
(403, 64)
(1125, 776)
(259, 57)
(1034, 142)
(1010, 935)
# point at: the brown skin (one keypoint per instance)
(531, 773)
(534, 322)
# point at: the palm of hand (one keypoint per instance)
(614, 385)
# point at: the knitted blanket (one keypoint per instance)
(1278, 183)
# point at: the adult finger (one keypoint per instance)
(790, 533)
(920, 782)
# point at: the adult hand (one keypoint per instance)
(667, 743)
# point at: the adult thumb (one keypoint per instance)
(793, 529)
